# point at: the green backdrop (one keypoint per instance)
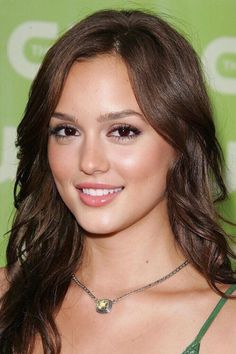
(29, 27)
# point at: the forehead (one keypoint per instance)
(100, 83)
(99, 70)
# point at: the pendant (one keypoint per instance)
(103, 306)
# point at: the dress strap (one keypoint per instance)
(193, 348)
(214, 313)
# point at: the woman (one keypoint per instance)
(116, 245)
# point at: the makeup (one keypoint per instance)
(97, 195)
(108, 163)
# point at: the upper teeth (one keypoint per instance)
(100, 192)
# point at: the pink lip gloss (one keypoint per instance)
(97, 195)
(97, 201)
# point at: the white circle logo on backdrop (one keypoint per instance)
(231, 164)
(219, 59)
(19, 39)
(8, 158)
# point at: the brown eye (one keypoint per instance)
(124, 132)
(64, 131)
(68, 131)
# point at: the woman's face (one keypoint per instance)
(108, 163)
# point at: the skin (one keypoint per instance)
(97, 153)
(129, 242)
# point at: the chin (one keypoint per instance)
(98, 227)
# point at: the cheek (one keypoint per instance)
(148, 162)
(60, 164)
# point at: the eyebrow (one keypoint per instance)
(103, 117)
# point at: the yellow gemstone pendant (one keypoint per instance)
(103, 306)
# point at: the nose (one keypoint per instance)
(93, 157)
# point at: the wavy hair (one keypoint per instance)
(46, 243)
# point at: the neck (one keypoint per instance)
(129, 258)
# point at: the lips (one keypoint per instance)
(98, 194)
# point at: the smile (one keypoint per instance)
(98, 195)
(100, 192)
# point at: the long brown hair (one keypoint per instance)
(46, 242)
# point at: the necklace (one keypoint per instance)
(105, 305)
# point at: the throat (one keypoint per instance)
(114, 264)
(104, 305)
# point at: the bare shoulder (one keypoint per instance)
(231, 303)
(3, 281)
(223, 325)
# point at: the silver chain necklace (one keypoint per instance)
(105, 305)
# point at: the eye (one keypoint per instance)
(64, 131)
(124, 132)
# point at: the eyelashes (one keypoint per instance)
(124, 132)
(63, 131)
(119, 132)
